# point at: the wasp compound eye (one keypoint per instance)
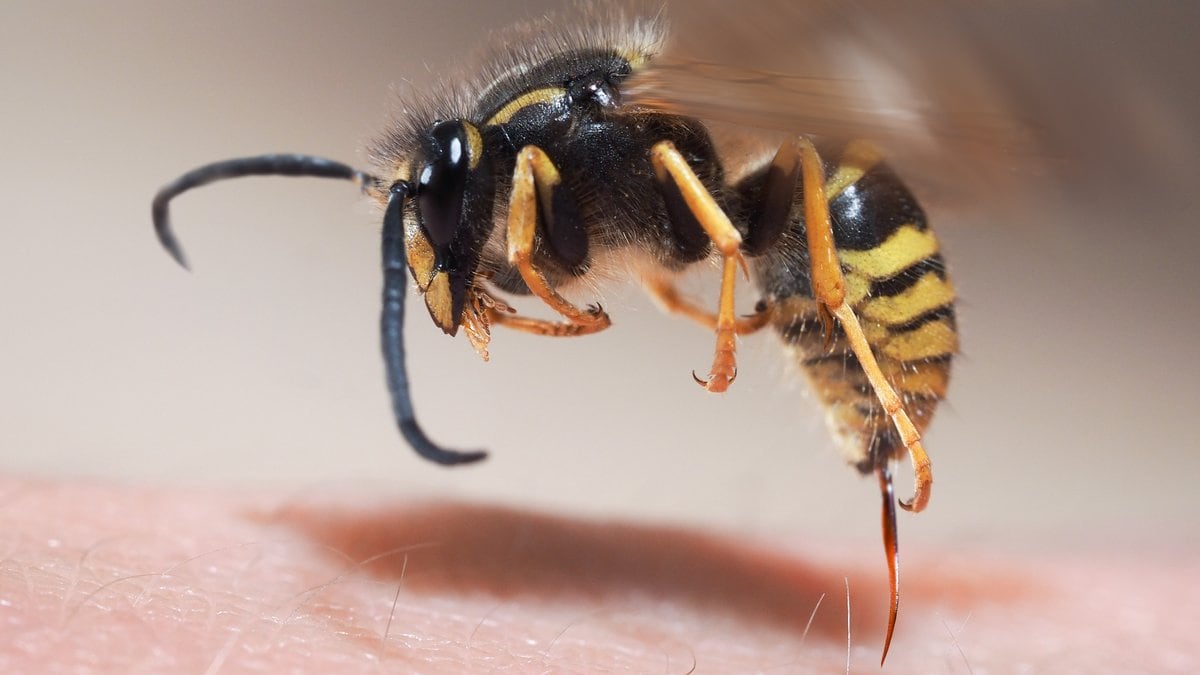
(442, 182)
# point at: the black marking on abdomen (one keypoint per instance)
(868, 211)
(906, 278)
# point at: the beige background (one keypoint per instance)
(1072, 411)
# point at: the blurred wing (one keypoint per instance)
(967, 98)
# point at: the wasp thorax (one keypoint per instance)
(594, 89)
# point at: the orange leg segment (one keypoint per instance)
(829, 290)
(534, 179)
(670, 165)
(671, 300)
(534, 326)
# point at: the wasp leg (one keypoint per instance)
(534, 181)
(669, 298)
(534, 326)
(829, 289)
(767, 226)
(671, 167)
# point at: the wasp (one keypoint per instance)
(561, 155)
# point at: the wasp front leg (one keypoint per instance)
(485, 311)
(671, 169)
(537, 190)
(526, 324)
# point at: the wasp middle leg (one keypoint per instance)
(665, 293)
(671, 168)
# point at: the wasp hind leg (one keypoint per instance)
(829, 289)
(672, 169)
(537, 199)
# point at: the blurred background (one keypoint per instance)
(1071, 411)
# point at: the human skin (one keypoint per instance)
(107, 578)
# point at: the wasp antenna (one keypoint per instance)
(263, 165)
(892, 548)
(395, 290)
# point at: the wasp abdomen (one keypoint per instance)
(896, 282)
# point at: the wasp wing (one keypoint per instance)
(964, 97)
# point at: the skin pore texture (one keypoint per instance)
(106, 578)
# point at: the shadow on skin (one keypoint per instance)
(454, 548)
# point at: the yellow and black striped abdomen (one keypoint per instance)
(896, 282)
